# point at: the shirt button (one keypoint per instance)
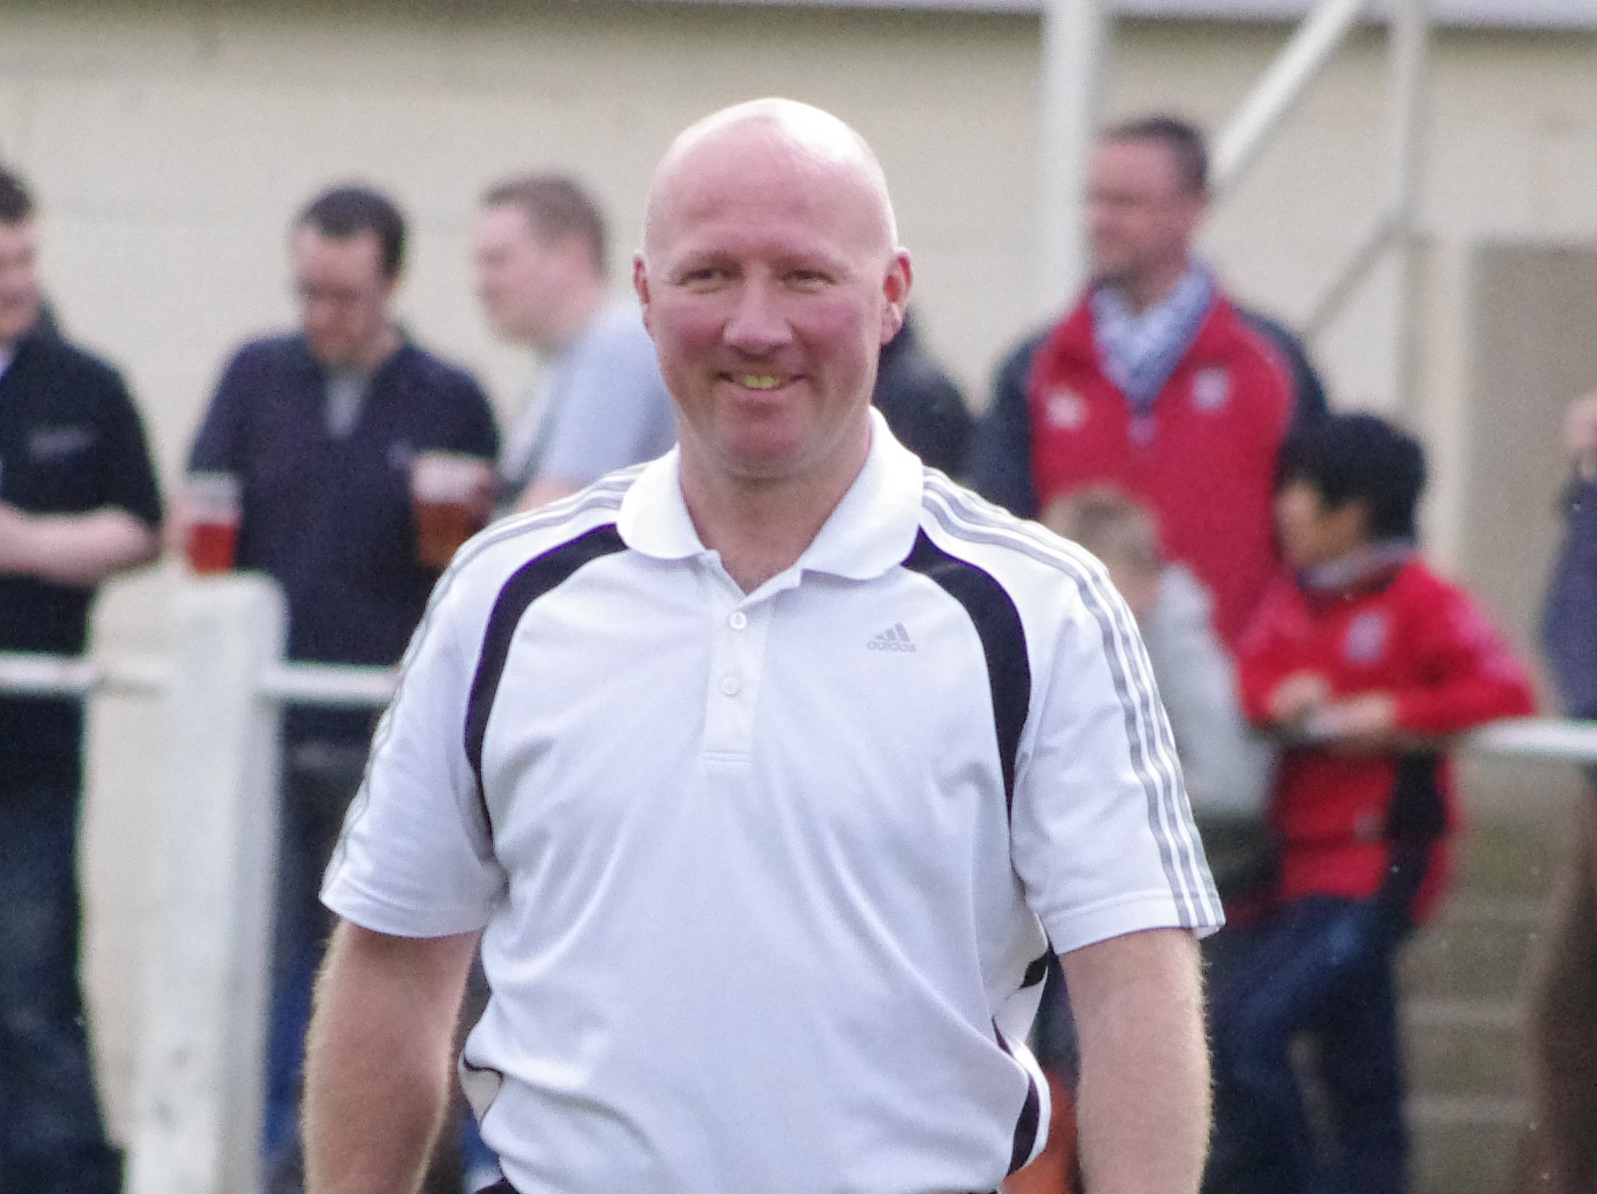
(729, 686)
(738, 620)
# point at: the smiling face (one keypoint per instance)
(769, 280)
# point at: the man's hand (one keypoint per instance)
(1144, 1103)
(378, 1058)
(1298, 697)
(1361, 723)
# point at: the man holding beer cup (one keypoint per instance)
(78, 504)
(350, 464)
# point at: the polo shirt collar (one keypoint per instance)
(872, 529)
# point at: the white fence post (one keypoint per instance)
(198, 1087)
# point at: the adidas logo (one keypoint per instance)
(896, 639)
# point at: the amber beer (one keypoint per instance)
(448, 497)
(211, 534)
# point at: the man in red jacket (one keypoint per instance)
(1155, 384)
(1367, 661)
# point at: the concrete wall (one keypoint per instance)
(170, 144)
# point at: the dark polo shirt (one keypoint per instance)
(70, 443)
(329, 516)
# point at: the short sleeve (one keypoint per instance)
(614, 411)
(414, 859)
(219, 444)
(474, 431)
(128, 476)
(1102, 834)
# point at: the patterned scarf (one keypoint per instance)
(1140, 352)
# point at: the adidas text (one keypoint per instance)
(896, 639)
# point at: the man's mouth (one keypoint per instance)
(757, 381)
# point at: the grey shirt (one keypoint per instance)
(601, 405)
(1228, 765)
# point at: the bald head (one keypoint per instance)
(782, 140)
(770, 278)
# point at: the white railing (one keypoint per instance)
(198, 1080)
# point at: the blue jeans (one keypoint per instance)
(52, 1136)
(1321, 967)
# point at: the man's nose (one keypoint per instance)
(758, 322)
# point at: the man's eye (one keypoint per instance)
(707, 275)
(807, 279)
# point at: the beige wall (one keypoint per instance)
(170, 144)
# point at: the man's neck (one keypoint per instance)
(374, 356)
(581, 308)
(759, 527)
(1152, 287)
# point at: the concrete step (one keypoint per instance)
(1464, 1049)
(1462, 982)
(1478, 949)
(1464, 1145)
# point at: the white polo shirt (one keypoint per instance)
(765, 877)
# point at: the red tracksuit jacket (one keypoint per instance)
(1407, 632)
(1204, 460)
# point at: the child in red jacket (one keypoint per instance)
(1366, 662)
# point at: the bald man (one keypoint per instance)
(768, 774)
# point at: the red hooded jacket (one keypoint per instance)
(1405, 632)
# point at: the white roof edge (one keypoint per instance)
(1570, 15)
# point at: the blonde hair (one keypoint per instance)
(1116, 528)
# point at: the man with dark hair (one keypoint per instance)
(1155, 383)
(321, 428)
(344, 212)
(78, 504)
(539, 249)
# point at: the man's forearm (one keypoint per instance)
(74, 549)
(377, 1065)
(1144, 1100)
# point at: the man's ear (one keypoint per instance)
(640, 284)
(895, 289)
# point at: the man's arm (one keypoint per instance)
(74, 549)
(1144, 1101)
(377, 1059)
(543, 491)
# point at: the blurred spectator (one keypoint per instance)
(1368, 662)
(321, 427)
(923, 407)
(78, 504)
(600, 404)
(1564, 991)
(1155, 383)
